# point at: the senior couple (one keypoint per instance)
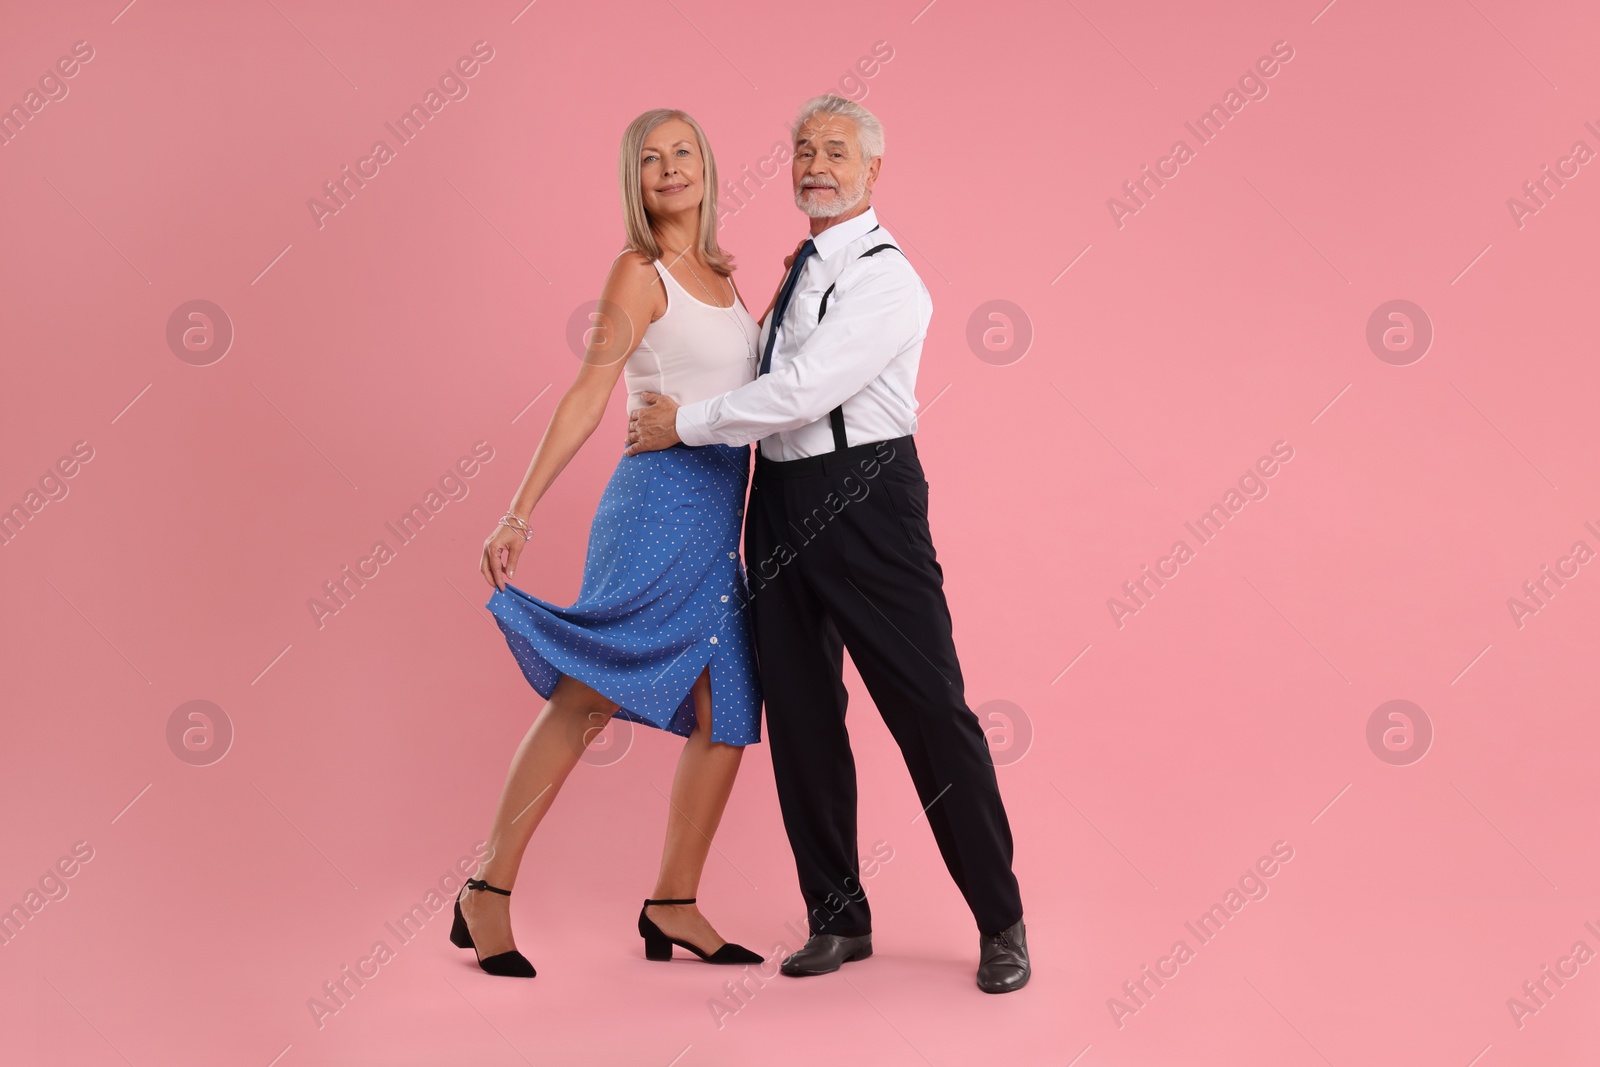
(667, 632)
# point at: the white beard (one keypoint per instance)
(844, 199)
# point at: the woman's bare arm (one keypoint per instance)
(631, 298)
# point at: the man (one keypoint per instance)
(836, 472)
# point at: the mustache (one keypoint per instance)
(819, 183)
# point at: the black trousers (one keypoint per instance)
(838, 556)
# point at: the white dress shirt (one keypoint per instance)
(863, 354)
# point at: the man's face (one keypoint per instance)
(830, 177)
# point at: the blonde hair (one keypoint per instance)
(641, 238)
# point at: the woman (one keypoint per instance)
(659, 633)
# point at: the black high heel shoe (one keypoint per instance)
(658, 946)
(511, 964)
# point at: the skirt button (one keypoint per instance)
(713, 640)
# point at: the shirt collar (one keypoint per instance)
(836, 237)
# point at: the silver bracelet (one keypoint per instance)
(516, 523)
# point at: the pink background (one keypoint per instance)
(1231, 712)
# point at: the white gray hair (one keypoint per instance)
(869, 131)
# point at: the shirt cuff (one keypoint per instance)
(690, 423)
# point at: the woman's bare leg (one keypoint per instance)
(700, 790)
(571, 718)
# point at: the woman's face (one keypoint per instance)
(671, 170)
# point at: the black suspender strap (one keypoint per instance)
(836, 420)
(869, 252)
(836, 416)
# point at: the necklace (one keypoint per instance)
(698, 282)
(732, 316)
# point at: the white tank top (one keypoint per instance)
(694, 351)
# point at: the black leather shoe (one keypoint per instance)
(1003, 960)
(824, 953)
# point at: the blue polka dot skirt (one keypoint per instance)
(663, 597)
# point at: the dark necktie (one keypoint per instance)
(782, 305)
